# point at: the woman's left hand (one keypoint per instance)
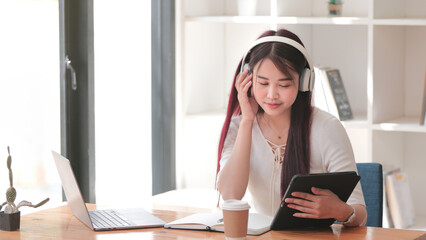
(321, 204)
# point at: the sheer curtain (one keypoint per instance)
(122, 37)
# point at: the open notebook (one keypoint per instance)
(257, 224)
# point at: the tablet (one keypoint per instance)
(340, 183)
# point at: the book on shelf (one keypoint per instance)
(423, 112)
(257, 223)
(387, 219)
(330, 94)
(399, 200)
(319, 98)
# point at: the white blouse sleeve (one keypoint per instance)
(332, 143)
(229, 143)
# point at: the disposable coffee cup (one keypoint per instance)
(235, 218)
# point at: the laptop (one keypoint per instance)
(100, 220)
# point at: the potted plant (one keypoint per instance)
(335, 7)
(11, 217)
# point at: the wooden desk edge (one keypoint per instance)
(59, 223)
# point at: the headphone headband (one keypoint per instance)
(307, 77)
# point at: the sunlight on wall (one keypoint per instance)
(123, 102)
(29, 99)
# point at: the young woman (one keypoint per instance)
(276, 133)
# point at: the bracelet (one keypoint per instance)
(351, 217)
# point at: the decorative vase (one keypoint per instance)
(10, 222)
(335, 9)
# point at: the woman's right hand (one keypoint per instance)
(248, 105)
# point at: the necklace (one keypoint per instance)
(267, 123)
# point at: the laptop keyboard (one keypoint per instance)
(108, 219)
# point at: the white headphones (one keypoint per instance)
(307, 77)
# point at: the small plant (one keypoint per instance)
(335, 7)
(335, 2)
(11, 193)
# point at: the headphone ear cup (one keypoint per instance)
(304, 82)
(245, 67)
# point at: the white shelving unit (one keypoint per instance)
(378, 45)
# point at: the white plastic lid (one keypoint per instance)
(235, 205)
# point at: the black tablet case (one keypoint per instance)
(340, 183)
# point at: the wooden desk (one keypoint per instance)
(59, 223)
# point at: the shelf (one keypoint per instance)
(231, 19)
(420, 223)
(385, 87)
(281, 20)
(400, 22)
(323, 20)
(359, 121)
(403, 124)
(310, 20)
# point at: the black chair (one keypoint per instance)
(372, 188)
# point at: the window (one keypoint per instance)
(29, 98)
(122, 43)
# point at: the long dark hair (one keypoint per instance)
(285, 57)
